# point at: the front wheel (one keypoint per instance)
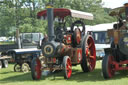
(36, 69)
(17, 68)
(107, 66)
(67, 67)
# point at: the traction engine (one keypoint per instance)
(116, 57)
(65, 47)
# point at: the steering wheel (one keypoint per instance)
(78, 22)
(59, 34)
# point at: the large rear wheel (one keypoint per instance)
(67, 67)
(88, 54)
(36, 69)
(107, 66)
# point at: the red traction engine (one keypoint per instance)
(116, 57)
(65, 47)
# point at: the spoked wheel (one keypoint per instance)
(88, 54)
(5, 63)
(36, 69)
(25, 67)
(0, 64)
(17, 68)
(107, 67)
(67, 67)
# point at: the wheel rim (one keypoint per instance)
(90, 53)
(17, 68)
(111, 71)
(38, 69)
(25, 67)
(68, 68)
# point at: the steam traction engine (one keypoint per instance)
(116, 57)
(66, 47)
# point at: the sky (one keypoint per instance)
(113, 3)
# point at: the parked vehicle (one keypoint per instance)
(65, 48)
(30, 40)
(116, 57)
(22, 56)
(101, 39)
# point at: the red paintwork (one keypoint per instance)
(78, 36)
(59, 12)
(91, 53)
(68, 68)
(111, 71)
(114, 66)
(69, 39)
(38, 69)
(54, 60)
(118, 66)
(79, 55)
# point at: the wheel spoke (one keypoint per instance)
(92, 57)
(68, 67)
(90, 44)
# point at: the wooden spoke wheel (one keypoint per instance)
(17, 68)
(0, 64)
(36, 69)
(5, 63)
(107, 66)
(25, 67)
(88, 54)
(67, 67)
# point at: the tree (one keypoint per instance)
(21, 14)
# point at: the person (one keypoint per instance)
(44, 40)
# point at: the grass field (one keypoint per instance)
(6, 43)
(8, 77)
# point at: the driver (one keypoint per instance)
(44, 40)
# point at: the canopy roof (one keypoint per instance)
(62, 13)
(117, 11)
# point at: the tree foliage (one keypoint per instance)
(21, 14)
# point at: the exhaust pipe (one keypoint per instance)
(51, 35)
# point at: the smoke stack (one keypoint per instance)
(50, 22)
(126, 9)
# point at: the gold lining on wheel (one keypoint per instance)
(45, 49)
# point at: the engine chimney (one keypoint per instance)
(50, 22)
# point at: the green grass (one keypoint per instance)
(6, 43)
(8, 77)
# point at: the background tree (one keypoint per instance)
(22, 14)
